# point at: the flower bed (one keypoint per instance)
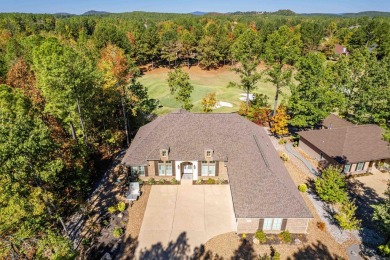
(152, 181)
(276, 239)
(210, 181)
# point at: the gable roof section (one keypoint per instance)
(352, 144)
(260, 184)
(333, 121)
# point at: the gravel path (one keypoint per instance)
(289, 147)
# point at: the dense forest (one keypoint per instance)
(70, 96)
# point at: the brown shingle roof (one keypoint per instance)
(260, 184)
(333, 121)
(354, 144)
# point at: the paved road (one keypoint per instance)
(183, 217)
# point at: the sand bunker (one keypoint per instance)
(223, 104)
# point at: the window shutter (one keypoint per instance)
(261, 224)
(199, 169)
(284, 224)
(156, 168)
(146, 168)
(216, 168)
(173, 168)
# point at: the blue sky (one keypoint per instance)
(186, 6)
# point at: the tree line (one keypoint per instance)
(70, 96)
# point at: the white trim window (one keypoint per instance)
(272, 224)
(347, 167)
(277, 224)
(165, 168)
(168, 168)
(208, 168)
(267, 224)
(360, 166)
(138, 170)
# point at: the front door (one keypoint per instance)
(187, 168)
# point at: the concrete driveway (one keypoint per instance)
(183, 217)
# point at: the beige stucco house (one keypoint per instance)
(225, 146)
(355, 148)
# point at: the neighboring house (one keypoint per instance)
(340, 50)
(228, 146)
(355, 148)
(333, 121)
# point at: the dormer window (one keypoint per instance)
(163, 154)
(208, 154)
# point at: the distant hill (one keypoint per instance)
(365, 13)
(93, 12)
(198, 13)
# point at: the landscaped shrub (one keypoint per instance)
(86, 241)
(275, 255)
(174, 181)
(385, 249)
(112, 209)
(210, 181)
(261, 236)
(118, 232)
(346, 217)
(151, 181)
(140, 181)
(285, 236)
(282, 141)
(121, 206)
(321, 225)
(331, 186)
(302, 187)
(243, 236)
(284, 157)
(162, 181)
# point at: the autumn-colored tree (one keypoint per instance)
(208, 102)
(279, 122)
(116, 75)
(259, 110)
(21, 76)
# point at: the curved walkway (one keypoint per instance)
(291, 150)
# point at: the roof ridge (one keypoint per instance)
(278, 175)
(345, 140)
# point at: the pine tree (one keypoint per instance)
(346, 217)
(331, 186)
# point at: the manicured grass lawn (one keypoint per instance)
(204, 82)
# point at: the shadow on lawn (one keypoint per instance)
(314, 251)
(180, 249)
(370, 232)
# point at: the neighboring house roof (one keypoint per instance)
(339, 49)
(351, 144)
(260, 184)
(333, 121)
